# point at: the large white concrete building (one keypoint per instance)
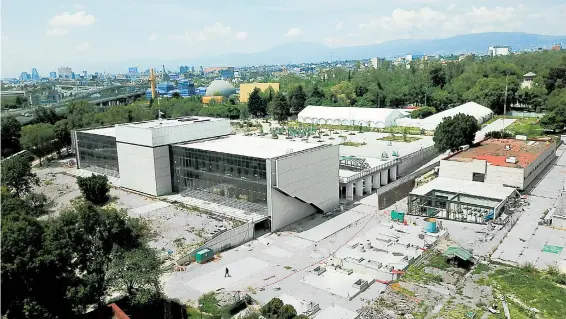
(356, 116)
(499, 50)
(506, 162)
(478, 184)
(196, 156)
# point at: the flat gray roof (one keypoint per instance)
(172, 122)
(251, 146)
(106, 131)
(478, 189)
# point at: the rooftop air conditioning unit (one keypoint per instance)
(511, 159)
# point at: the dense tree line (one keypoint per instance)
(61, 266)
(442, 85)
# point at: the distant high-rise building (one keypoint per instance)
(133, 70)
(73, 75)
(52, 75)
(34, 74)
(24, 76)
(65, 72)
(85, 73)
(499, 50)
(376, 62)
(183, 69)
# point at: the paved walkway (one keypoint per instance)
(526, 241)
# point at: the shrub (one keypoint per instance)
(94, 188)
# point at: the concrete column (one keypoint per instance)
(384, 177)
(350, 191)
(376, 180)
(360, 187)
(393, 173)
(367, 184)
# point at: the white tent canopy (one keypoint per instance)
(480, 112)
(364, 116)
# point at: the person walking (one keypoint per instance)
(227, 273)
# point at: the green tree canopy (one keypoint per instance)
(297, 100)
(10, 134)
(280, 108)
(94, 188)
(454, 132)
(17, 176)
(38, 139)
(255, 103)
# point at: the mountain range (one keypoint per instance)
(305, 52)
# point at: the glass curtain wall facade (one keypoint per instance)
(237, 177)
(98, 153)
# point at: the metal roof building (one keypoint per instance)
(373, 117)
(480, 112)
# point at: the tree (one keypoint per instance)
(80, 114)
(255, 103)
(136, 272)
(17, 176)
(556, 78)
(555, 120)
(176, 95)
(556, 99)
(423, 112)
(287, 312)
(10, 133)
(297, 100)
(280, 108)
(94, 188)
(38, 139)
(62, 134)
(454, 132)
(272, 309)
(45, 115)
(437, 76)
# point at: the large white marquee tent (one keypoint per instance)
(362, 116)
(480, 112)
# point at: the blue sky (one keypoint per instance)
(99, 35)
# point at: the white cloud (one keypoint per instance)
(339, 25)
(56, 32)
(293, 32)
(83, 46)
(208, 33)
(67, 19)
(242, 35)
(153, 37)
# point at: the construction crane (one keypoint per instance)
(152, 82)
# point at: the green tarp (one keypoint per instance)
(459, 252)
(552, 249)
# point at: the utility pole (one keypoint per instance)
(504, 105)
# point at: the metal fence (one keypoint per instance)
(384, 166)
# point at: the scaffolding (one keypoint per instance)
(352, 163)
(456, 206)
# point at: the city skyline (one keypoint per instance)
(90, 36)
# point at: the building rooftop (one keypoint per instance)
(504, 152)
(106, 131)
(478, 189)
(171, 122)
(251, 146)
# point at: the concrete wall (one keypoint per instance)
(286, 210)
(508, 176)
(400, 191)
(461, 170)
(311, 176)
(414, 161)
(539, 164)
(144, 169)
(171, 134)
(228, 239)
(300, 179)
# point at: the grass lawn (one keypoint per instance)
(354, 144)
(399, 138)
(526, 126)
(532, 287)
